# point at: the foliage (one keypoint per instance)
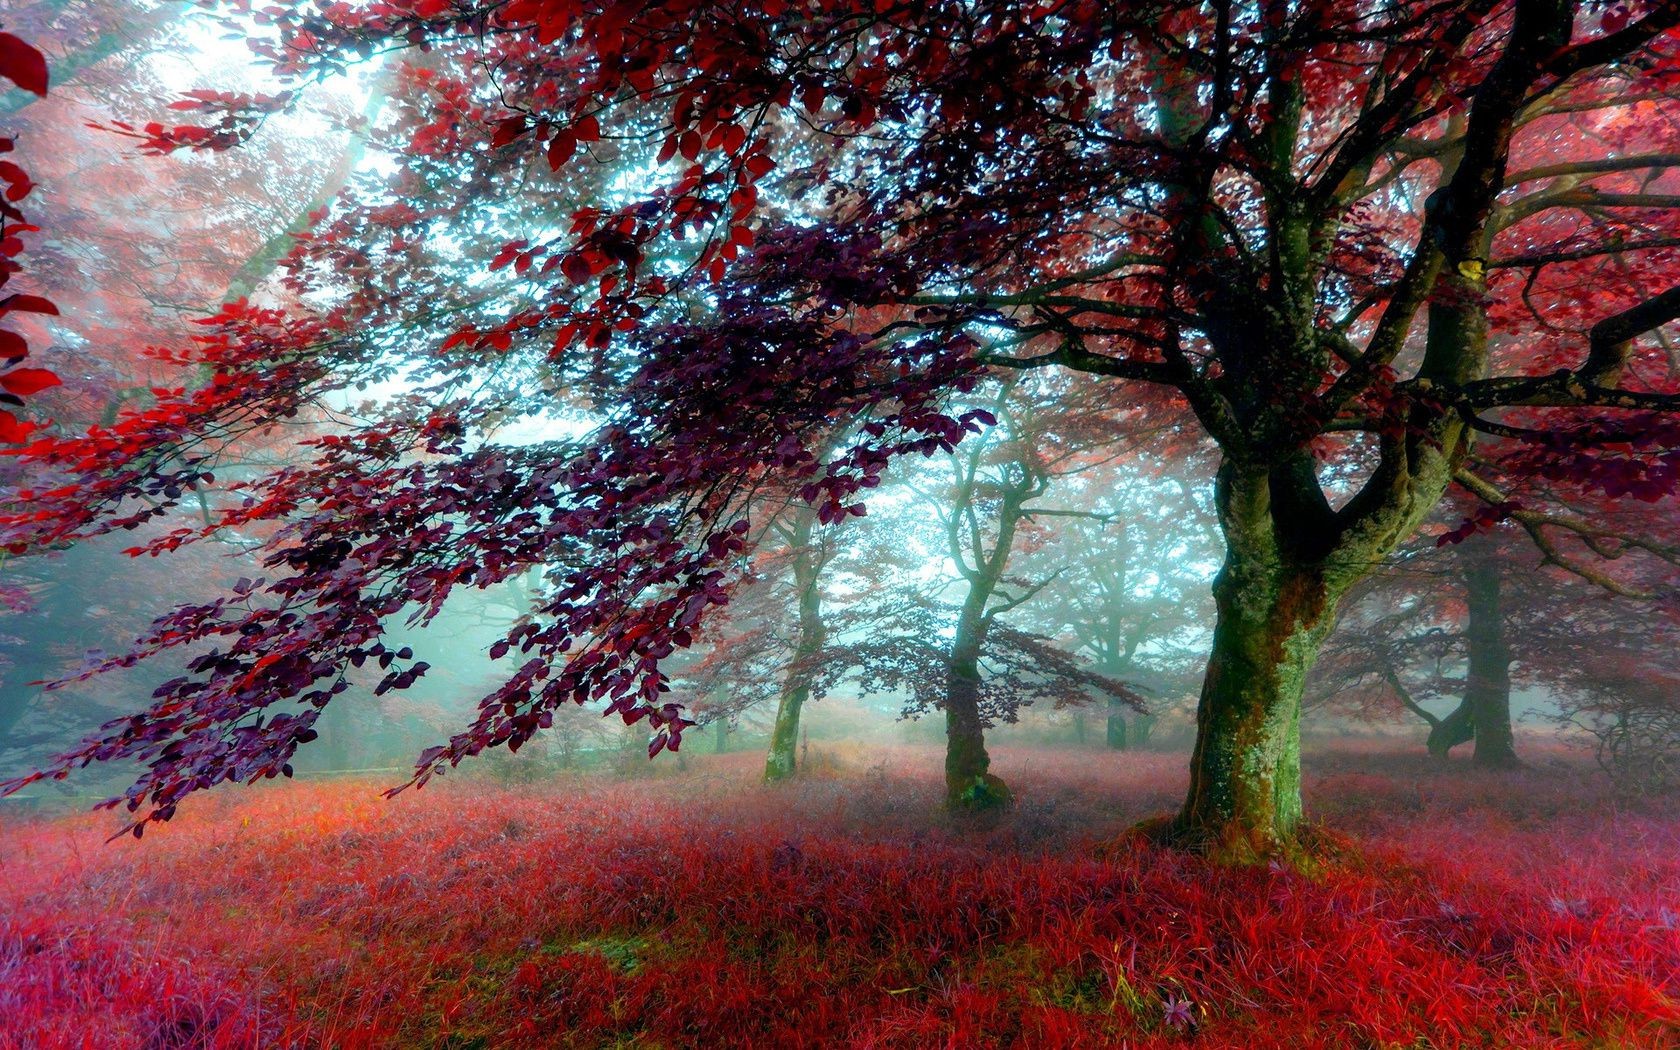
(902, 648)
(26, 67)
(1482, 911)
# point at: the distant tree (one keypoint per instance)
(1132, 594)
(983, 510)
(1519, 589)
(769, 644)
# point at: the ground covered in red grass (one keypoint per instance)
(695, 908)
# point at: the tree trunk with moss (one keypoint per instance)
(969, 783)
(782, 761)
(968, 780)
(1272, 614)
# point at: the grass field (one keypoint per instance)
(696, 908)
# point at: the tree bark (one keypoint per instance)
(1487, 685)
(781, 762)
(1273, 612)
(1116, 726)
(1451, 731)
(968, 782)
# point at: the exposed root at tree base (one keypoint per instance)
(1308, 852)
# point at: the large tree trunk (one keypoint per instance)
(781, 761)
(1487, 685)
(1272, 614)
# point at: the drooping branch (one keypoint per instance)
(1535, 525)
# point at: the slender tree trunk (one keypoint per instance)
(1116, 726)
(1245, 774)
(968, 782)
(30, 663)
(720, 735)
(966, 760)
(54, 633)
(1143, 727)
(781, 761)
(1487, 685)
(339, 750)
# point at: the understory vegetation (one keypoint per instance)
(1442, 907)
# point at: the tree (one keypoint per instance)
(139, 247)
(995, 480)
(1515, 574)
(771, 643)
(1222, 200)
(1136, 566)
(1401, 641)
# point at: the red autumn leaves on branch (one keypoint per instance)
(24, 66)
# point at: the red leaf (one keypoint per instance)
(26, 381)
(507, 253)
(506, 131)
(13, 432)
(560, 149)
(575, 268)
(32, 304)
(22, 64)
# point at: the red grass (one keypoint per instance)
(1458, 910)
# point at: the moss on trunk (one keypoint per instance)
(1245, 791)
(1273, 611)
(969, 784)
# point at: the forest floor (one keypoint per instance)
(696, 908)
